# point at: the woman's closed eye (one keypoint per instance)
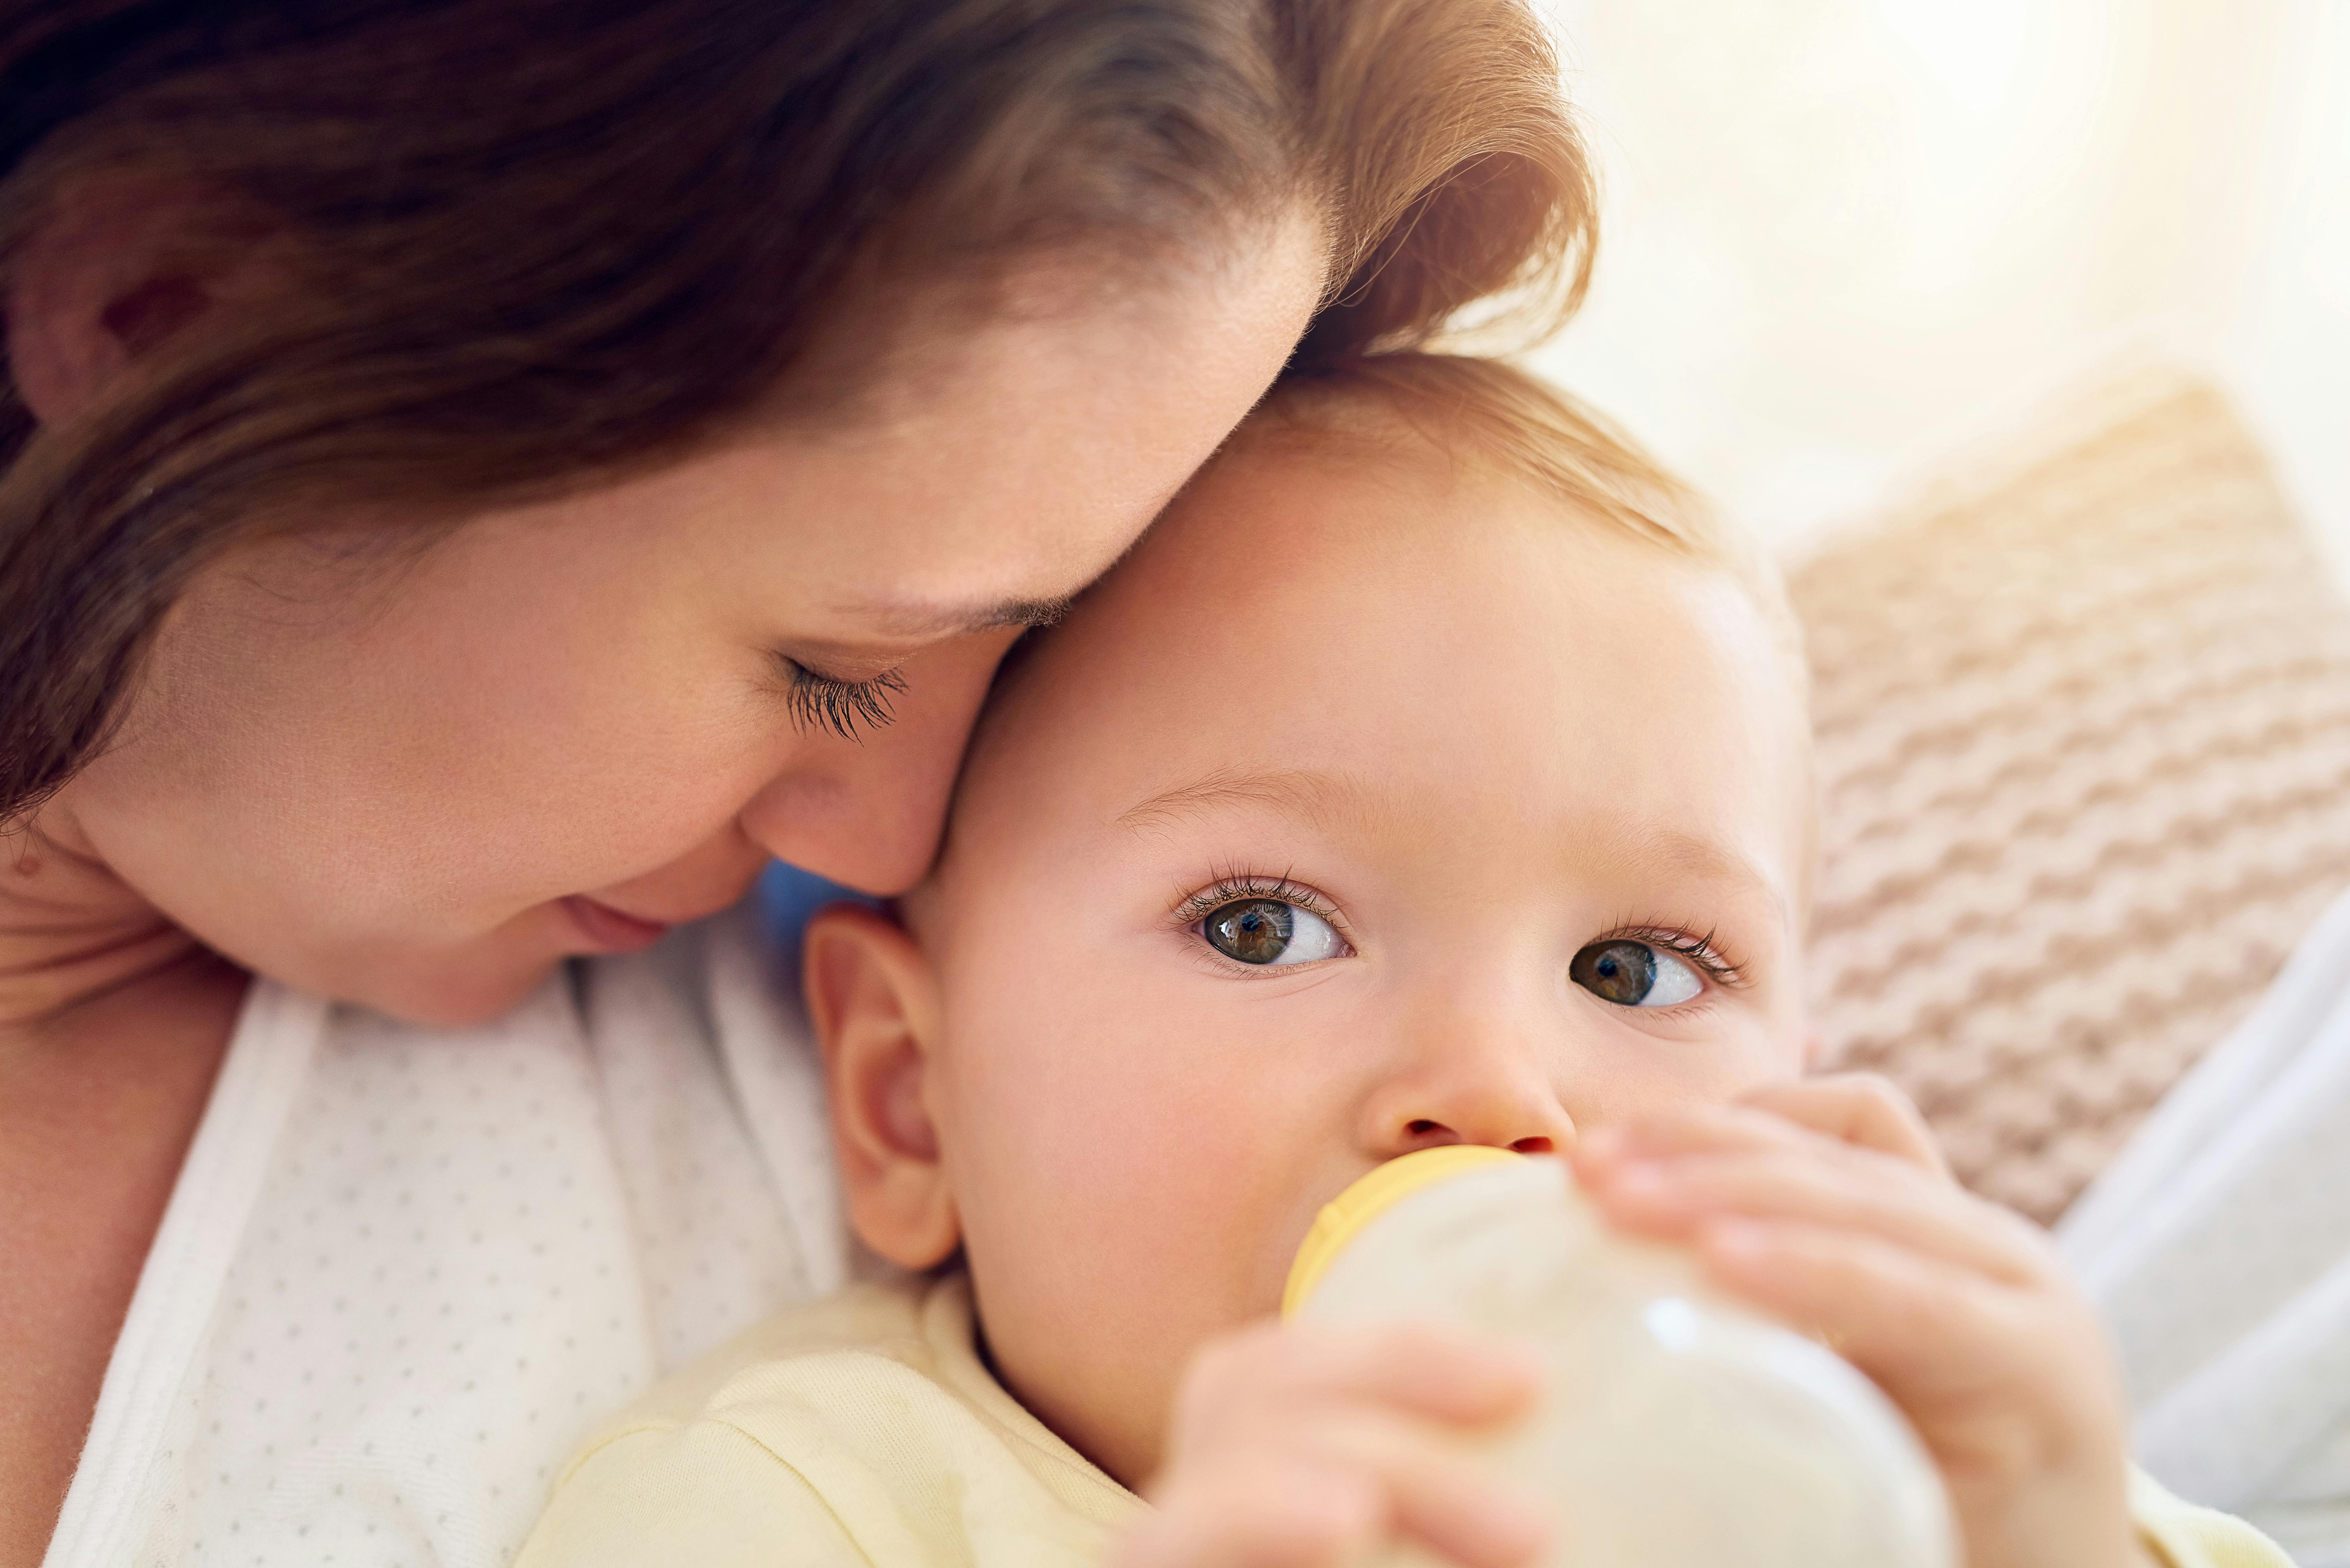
(1649, 969)
(820, 702)
(1265, 927)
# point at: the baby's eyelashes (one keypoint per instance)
(1263, 922)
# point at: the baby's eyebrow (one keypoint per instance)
(1299, 791)
(1629, 848)
(1698, 858)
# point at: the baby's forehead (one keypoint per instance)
(1323, 606)
(1350, 503)
(1292, 533)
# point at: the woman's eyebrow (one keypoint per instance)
(913, 619)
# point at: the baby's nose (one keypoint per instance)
(1483, 1092)
(1426, 1132)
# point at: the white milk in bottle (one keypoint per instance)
(1678, 1429)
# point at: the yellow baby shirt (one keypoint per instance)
(861, 1430)
(864, 1429)
(2182, 1535)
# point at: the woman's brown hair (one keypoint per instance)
(542, 240)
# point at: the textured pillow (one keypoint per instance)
(2084, 760)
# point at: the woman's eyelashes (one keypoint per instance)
(821, 702)
(1651, 969)
(1264, 926)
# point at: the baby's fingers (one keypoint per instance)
(1291, 1516)
(1437, 1496)
(1330, 1482)
(1866, 1193)
(1932, 1333)
(1302, 1516)
(1416, 1369)
(1297, 1447)
(1853, 1112)
(1856, 1108)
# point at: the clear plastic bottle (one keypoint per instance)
(1680, 1430)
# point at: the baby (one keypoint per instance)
(1434, 772)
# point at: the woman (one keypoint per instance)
(482, 477)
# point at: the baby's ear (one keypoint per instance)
(873, 1000)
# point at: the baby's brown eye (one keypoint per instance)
(1633, 974)
(1269, 931)
(1254, 930)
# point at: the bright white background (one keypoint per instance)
(1843, 237)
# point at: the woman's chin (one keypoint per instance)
(450, 1000)
(472, 980)
(461, 986)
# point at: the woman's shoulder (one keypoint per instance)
(445, 1255)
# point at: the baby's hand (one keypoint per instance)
(1826, 1203)
(1299, 1446)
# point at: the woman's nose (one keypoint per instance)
(1470, 1084)
(867, 813)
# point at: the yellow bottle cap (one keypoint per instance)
(1342, 1218)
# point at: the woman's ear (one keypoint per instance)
(117, 267)
(873, 1000)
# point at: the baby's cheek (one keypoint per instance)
(1789, 1047)
(1105, 1231)
(1136, 1142)
(1715, 1071)
(1769, 1049)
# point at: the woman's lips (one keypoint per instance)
(610, 931)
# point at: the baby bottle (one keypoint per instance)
(1679, 1430)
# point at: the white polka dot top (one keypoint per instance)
(406, 1269)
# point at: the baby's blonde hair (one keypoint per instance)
(1493, 415)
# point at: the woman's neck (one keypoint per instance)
(71, 931)
(113, 1026)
